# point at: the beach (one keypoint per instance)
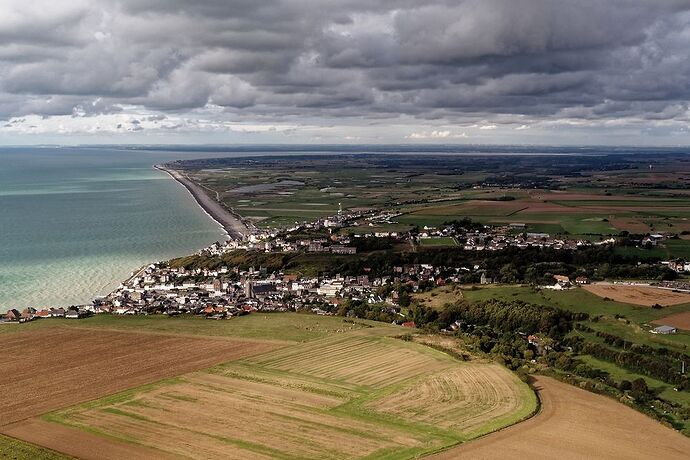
(77, 221)
(231, 223)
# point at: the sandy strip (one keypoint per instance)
(79, 444)
(231, 223)
(577, 424)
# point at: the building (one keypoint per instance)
(664, 330)
(343, 250)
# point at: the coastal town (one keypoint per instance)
(227, 291)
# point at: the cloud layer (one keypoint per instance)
(439, 67)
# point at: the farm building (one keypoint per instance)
(664, 330)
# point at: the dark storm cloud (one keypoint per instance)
(587, 59)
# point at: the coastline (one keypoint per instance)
(232, 224)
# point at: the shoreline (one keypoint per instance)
(231, 223)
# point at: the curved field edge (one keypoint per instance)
(313, 400)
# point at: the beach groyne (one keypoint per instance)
(233, 225)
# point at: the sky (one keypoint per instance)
(559, 72)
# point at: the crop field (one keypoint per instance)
(576, 424)
(54, 367)
(330, 398)
(677, 320)
(638, 295)
(462, 399)
(11, 448)
(279, 328)
(431, 189)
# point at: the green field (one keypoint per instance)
(663, 389)
(13, 449)
(290, 327)
(438, 242)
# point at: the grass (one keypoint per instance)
(438, 242)
(575, 300)
(663, 389)
(320, 399)
(291, 327)
(14, 449)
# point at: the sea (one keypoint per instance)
(75, 222)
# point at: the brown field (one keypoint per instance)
(576, 424)
(678, 320)
(630, 225)
(645, 296)
(47, 369)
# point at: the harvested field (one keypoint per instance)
(371, 361)
(576, 424)
(333, 398)
(678, 320)
(645, 296)
(463, 399)
(51, 368)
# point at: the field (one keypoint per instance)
(541, 192)
(576, 424)
(54, 367)
(14, 449)
(438, 242)
(334, 397)
(638, 295)
(678, 320)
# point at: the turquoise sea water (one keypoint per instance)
(74, 222)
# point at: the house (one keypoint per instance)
(582, 280)
(409, 324)
(13, 315)
(561, 278)
(343, 250)
(664, 330)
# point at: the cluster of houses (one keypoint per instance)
(563, 282)
(678, 265)
(228, 292)
(29, 314)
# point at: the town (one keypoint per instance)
(228, 292)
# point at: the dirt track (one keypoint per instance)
(43, 370)
(577, 424)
